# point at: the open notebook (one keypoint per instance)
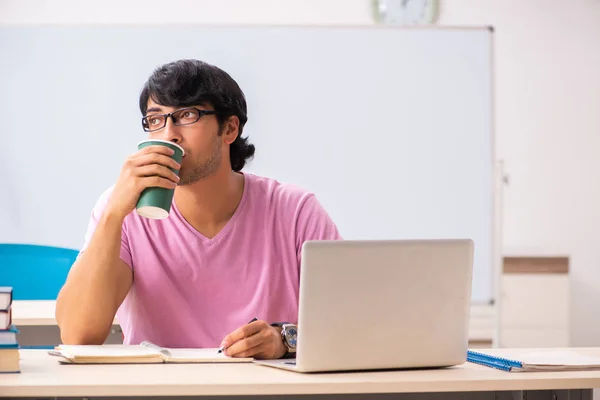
(144, 353)
(557, 360)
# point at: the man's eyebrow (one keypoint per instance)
(153, 109)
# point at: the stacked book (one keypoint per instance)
(9, 347)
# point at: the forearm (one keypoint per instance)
(97, 284)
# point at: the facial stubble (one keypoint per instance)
(202, 168)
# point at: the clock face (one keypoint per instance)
(405, 12)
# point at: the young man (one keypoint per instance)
(229, 251)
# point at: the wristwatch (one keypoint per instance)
(289, 336)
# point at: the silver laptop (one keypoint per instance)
(367, 305)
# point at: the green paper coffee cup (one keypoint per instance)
(155, 202)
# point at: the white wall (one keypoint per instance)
(547, 107)
(187, 11)
(548, 133)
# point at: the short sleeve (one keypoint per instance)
(314, 223)
(96, 214)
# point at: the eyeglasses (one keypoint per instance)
(183, 116)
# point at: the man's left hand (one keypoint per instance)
(257, 339)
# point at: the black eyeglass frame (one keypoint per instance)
(201, 113)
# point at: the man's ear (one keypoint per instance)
(231, 129)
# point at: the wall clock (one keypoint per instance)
(406, 12)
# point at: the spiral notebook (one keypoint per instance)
(556, 360)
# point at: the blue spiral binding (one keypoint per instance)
(492, 361)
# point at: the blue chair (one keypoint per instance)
(35, 272)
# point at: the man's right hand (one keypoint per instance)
(149, 167)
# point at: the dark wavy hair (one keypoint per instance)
(186, 83)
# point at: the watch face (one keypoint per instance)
(291, 335)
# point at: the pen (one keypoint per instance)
(223, 348)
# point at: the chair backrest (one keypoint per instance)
(35, 272)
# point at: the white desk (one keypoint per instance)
(43, 376)
(34, 313)
(41, 313)
(38, 327)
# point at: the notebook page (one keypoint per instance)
(155, 348)
(201, 355)
(559, 358)
(105, 351)
(191, 355)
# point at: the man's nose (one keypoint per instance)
(171, 132)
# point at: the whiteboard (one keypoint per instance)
(390, 127)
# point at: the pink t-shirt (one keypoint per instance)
(191, 291)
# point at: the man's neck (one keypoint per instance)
(209, 203)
